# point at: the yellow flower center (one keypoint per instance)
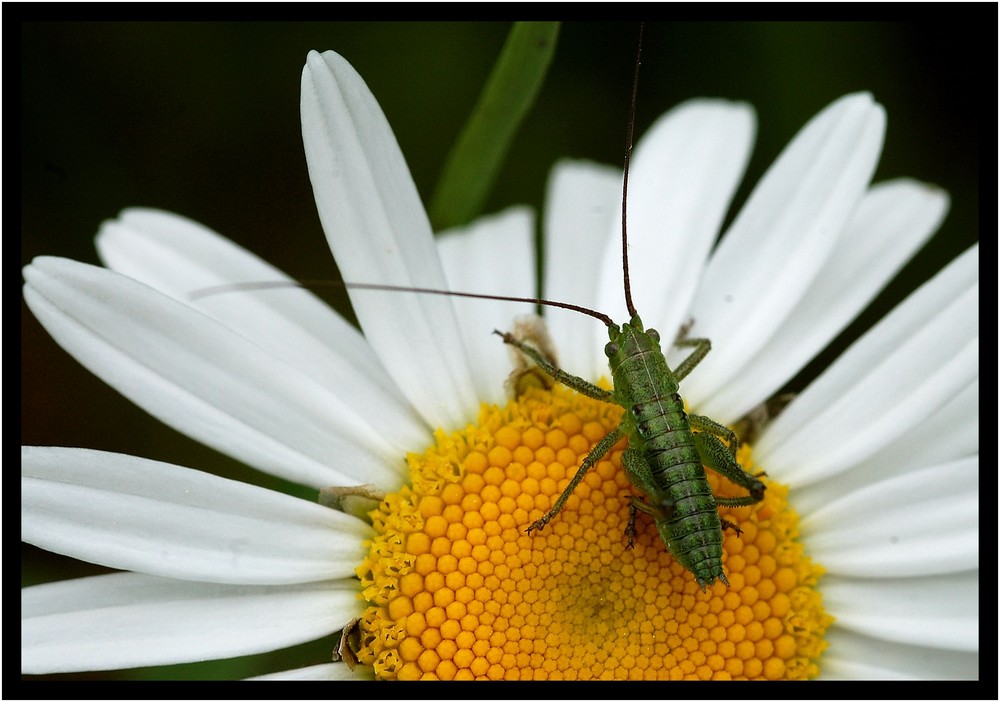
(457, 590)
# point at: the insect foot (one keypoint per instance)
(726, 524)
(630, 531)
(537, 525)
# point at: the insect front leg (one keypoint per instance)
(596, 454)
(701, 349)
(571, 381)
(717, 456)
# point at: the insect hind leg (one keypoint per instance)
(717, 456)
(710, 426)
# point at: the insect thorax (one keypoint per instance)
(638, 366)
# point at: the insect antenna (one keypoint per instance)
(318, 284)
(628, 154)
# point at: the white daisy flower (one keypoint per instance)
(444, 580)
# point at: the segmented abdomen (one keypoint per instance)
(658, 427)
(693, 532)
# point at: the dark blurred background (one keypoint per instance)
(203, 119)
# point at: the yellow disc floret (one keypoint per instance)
(457, 590)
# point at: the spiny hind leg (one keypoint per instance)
(710, 426)
(571, 381)
(717, 456)
(595, 455)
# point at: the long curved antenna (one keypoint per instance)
(313, 284)
(628, 154)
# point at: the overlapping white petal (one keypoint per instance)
(788, 228)
(912, 363)
(202, 378)
(948, 433)
(180, 257)
(920, 523)
(682, 178)
(580, 208)
(853, 656)
(379, 233)
(938, 612)
(134, 514)
(892, 221)
(127, 620)
(496, 256)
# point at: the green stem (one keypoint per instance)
(477, 155)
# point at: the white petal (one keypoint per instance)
(892, 221)
(940, 612)
(192, 373)
(135, 514)
(178, 257)
(494, 255)
(915, 360)
(836, 668)
(921, 523)
(127, 620)
(855, 657)
(782, 238)
(379, 233)
(323, 671)
(580, 206)
(948, 433)
(682, 178)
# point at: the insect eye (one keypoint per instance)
(610, 349)
(654, 335)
